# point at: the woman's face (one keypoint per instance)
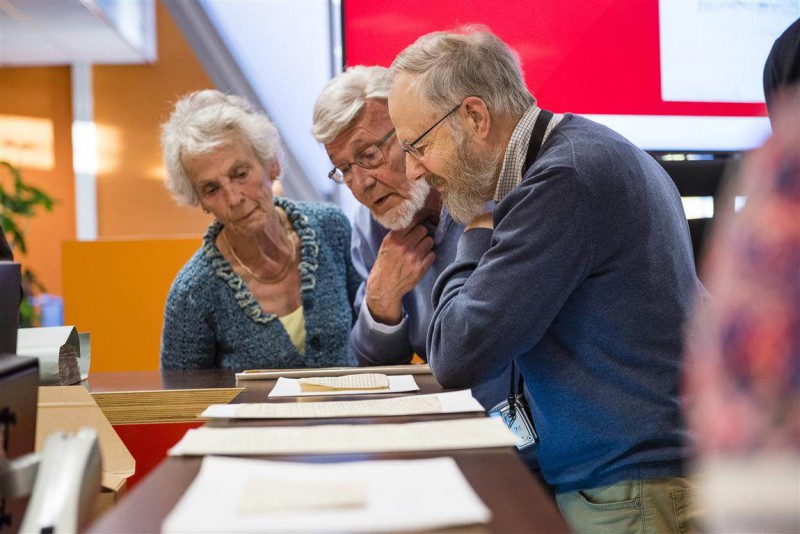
(233, 185)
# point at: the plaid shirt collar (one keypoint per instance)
(511, 172)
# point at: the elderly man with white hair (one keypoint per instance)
(575, 265)
(402, 239)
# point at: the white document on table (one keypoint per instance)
(451, 402)
(472, 433)
(375, 496)
(290, 387)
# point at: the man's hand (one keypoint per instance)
(484, 220)
(403, 259)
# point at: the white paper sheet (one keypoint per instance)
(332, 439)
(290, 387)
(212, 502)
(451, 402)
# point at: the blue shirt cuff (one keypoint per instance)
(380, 327)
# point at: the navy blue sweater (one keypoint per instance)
(586, 282)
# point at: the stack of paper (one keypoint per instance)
(343, 385)
(64, 354)
(340, 439)
(451, 402)
(162, 405)
(236, 495)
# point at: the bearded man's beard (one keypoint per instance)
(403, 215)
(471, 179)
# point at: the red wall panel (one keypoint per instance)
(582, 56)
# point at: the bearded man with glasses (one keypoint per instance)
(402, 239)
(575, 266)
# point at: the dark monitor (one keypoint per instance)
(10, 295)
(703, 176)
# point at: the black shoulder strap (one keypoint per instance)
(537, 138)
(534, 146)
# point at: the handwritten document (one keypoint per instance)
(332, 439)
(221, 498)
(451, 402)
(360, 381)
(291, 387)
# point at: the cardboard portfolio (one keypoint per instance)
(70, 408)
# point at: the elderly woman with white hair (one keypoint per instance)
(272, 285)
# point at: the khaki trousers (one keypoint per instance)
(632, 506)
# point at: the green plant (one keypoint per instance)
(18, 203)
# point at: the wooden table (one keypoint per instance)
(160, 380)
(517, 500)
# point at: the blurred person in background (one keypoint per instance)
(782, 68)
(272, 285)
(742, 382)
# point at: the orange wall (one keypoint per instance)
(43, 93)
(130, 103)
(116, 289)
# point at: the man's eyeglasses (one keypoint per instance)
(371, 157)
(411, 148)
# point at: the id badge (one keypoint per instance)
(521, 425)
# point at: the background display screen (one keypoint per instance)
(670, 75)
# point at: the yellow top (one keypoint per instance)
(295, 325)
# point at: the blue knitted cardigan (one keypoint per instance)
(212, 320)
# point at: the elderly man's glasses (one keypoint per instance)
(371, 157)
(411, 148)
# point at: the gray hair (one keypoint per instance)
(470, 61)
(344, 97)
(205, 120)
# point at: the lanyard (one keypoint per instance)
(534, 146)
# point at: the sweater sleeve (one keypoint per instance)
(373, 343)
(506, 286)
(187, 340)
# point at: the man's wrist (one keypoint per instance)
(372, 325)
(389, 315)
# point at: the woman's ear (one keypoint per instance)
(274, 175)
(275, 171)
